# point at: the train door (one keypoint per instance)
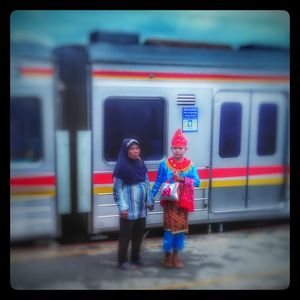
(267, 150)
(230, 151)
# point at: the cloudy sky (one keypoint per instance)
(57, 27)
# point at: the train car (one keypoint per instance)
(231, 104)
(33, 203)
(71, 108)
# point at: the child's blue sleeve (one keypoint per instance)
(195, 176)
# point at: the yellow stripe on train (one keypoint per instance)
(266, 181)
(243, 182)
(108, 189)
(35, 194)
(99, 190)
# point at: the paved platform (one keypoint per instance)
(257, 258)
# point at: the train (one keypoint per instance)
(71, 106)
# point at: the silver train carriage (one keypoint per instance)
(33, 176)
(232, 105)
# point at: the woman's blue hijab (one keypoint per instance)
(129, 170)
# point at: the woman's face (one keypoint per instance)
(134, 152)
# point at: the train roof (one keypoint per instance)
(116, 47)
(206, 57)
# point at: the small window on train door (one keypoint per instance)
(25, 130)
(230, 129)
(267, 128)
(142, 118)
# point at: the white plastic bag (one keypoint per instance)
(169, 191)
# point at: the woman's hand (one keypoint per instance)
(150, 207)
(124, 214)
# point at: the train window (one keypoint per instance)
(267, 127)
(25, 129)
(140, 118)
(230, 129)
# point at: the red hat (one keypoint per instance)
(178, 139)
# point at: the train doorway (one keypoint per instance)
(249, 138)
(230, 151)
(267, 147)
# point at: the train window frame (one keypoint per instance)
(162, 133)
(22, 164)
(262, 147)
(226, 154)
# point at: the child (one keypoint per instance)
(175, 216)
(131, 192)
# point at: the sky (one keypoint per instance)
(58, 27)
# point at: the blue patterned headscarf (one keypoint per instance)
(129, 170)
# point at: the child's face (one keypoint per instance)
(178, 152)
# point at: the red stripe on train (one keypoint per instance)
(228, 172)
(36, 71)
(41, 180)
(267, 170)
(185, 75)
(102, 178)
(235, 172)
(106, 178)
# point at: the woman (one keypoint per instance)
(131, 192)
(183, 170)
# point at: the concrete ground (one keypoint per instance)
(253, 258)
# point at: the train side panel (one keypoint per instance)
(249, 164)
(147, 92)
(223, 141)
(150, 110)
(33, 207)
